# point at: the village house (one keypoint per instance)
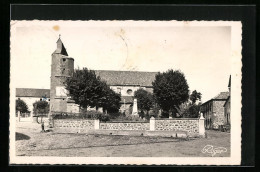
(213, 111)
(31, 95)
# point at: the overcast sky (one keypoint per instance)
(202, 53)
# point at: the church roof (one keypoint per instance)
(32, 92)
(60, 48)
(127, 77)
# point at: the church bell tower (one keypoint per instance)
(62, 67)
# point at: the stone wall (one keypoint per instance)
(189, 125)
(192, 127)
(124, 126)
(73, 123)
(218, 114)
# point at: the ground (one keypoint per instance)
(31, 142)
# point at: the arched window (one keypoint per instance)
(129, 91)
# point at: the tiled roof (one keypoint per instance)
(128, 99)
(32, 92)
(127, 77)
(221, 95)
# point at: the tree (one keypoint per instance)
(195, 96)
(190, 109)
(85, 88)
(88, 90)
(21, 106)
(183, 109)
(194, 111)
(112, 101)
(41, 107)
(144, 100)
(170, 90)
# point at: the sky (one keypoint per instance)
(202, 53)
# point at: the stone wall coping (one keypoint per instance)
(176, 118)
(74, 119)
(125, 122)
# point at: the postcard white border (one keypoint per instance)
(236, 105)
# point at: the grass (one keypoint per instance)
(31, 142)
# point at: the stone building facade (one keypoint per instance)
(213, 111)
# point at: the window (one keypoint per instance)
(118, 90)
(64, 60)
(129, 91)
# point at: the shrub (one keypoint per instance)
(85, 115)
(116, 115)
(92, 114)
(21, 106)
(41, 107)
(104, 117)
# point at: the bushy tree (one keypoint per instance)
(88, 90)
(41, 107)
(190, 109)
(21, 106)
(112, 101)
(194, 111)
(195, 96)
(144, 100)
(170, 90)
(85, 88)
(183, 109)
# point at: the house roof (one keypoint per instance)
(32, 92)
(220, 96)
(127, 77)
(60, 48)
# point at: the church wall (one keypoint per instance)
(124, 89)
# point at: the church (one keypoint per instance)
(62, 66)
